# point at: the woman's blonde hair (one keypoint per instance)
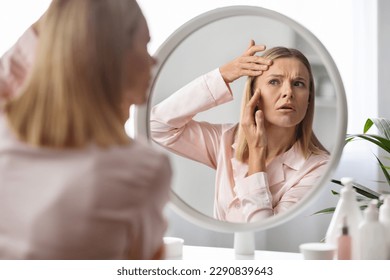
(305, 136)
(75, 89)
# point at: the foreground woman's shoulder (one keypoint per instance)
(146, 160)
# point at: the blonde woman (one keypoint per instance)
(271, 159)
(73, 185)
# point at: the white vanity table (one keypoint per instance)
(216, 253)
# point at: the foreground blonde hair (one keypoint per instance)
(74, 93)
(305, 136)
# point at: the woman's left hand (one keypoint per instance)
(248, 64)
(253, 126)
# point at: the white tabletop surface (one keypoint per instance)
(216, 253)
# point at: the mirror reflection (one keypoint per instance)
(244, 148)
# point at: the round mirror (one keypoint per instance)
(210, 41)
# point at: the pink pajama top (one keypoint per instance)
(238, 197)
(88, 203)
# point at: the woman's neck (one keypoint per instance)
(279, 140)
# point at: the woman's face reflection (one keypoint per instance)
(284, 92)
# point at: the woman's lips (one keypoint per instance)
(286, 107)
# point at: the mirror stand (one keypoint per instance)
(244, 243)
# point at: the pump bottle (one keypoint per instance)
(347, 206)
(372, 235)
(384, 219)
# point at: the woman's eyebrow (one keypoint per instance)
(300, 78)
(275, 75)
(282, 76)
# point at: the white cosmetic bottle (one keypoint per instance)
(384, 219)
(348, 207)
(372, 235)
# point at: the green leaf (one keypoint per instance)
(362, 199)
(364, 191)
(377, 140)
(387, 175)
(329, 210)
(367, 125)
(338, 182)
(363, 207)
(335, 193)
(360, 189)
(383, 126)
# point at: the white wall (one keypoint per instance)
(15, 17)
(383, 36)
(383, 80)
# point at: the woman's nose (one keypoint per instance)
(287, 91)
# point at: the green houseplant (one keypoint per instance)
(382, 140)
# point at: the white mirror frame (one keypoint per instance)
(141, 114)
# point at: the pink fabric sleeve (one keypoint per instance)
(172, 124)
(15, 65)
(256, 200)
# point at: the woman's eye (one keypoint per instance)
(273, 82)
(299, 84)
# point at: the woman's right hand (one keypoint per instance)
(248, 64)
(252, 124)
